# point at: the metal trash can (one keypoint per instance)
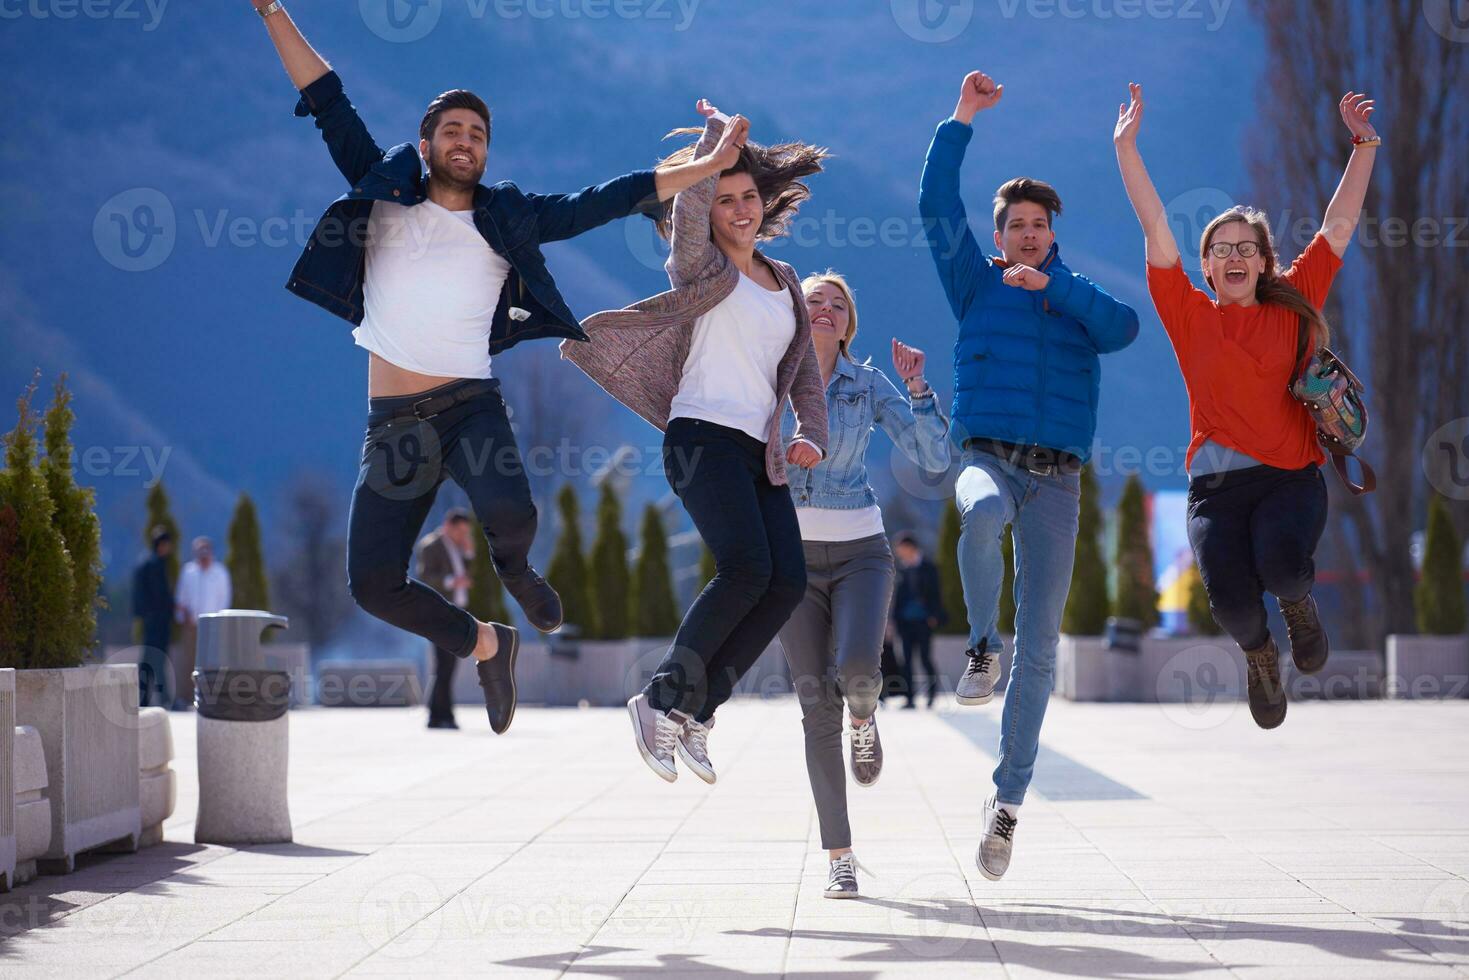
(243, 738)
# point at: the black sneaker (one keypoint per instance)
(497, 677)
(1309, 646)
(536, 598)
(841, 881)
(1267, 695)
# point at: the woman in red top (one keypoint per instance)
(1257, 503)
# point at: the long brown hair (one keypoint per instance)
(776, 170)
(1270, 287)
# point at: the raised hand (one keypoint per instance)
(705, 108)
(726, 152)
(801, 453)
(1024, 277)
(907, 361)
(1356, 111)
(977, 93)
(1129, 117)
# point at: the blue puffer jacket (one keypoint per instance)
(1025, 362)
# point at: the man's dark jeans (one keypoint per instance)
(441, 695)
(1255, 531)
(403, 462)
(155, 672)
(750, 527)
(917, 641)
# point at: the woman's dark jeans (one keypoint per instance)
(750, 527)
(1255, 531)
(403, 462)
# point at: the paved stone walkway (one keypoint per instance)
(1158, 841)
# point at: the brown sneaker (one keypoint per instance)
(1308, 644)
(1267, 696)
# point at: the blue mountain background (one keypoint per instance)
(200, 366)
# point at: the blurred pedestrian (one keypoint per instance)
(443, 563)
(153, 606)
(204, 587)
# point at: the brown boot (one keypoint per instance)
(1267, 696)
(1308, 643)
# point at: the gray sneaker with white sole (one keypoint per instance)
(657, 735)
(981, 674)
(693, 748)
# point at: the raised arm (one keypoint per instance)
(718, 148)
(1162, 247)
(952, 244)
(913, 421)
(302, 62)
(1340, 222)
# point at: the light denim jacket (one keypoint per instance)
(858, 397)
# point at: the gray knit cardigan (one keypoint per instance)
(637, 354)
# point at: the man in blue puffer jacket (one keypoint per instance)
(1026, 377)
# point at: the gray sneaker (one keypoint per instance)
(981, 674)
(841, 881)
(866, 753)
(993, 856)
(693, 748)
(656, 734)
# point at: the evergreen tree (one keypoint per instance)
(1006, 621)
(951, 589)
(10, 568)
(1087, 605)
(1439, 595)
(707, 568)
(609, 584)
(486, 594)
(654, 612)
(37, 568)
(75, 515)
(244, 559)
(568, 570)
(1137, 593)
(1199, 615)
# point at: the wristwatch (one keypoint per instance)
(270, 8)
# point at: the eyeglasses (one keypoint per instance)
(1222, 250)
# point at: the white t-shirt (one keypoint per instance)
(430, 290)
(831, 524)
(202, 590)
(729, 376)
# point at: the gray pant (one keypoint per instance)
(833, 642)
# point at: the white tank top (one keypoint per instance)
(430, 290)
(729, 375)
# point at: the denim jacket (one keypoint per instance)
(858, 397)
(330, 270)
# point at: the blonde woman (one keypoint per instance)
(833, 640)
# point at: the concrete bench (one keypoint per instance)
(368, 684)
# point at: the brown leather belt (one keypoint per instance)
(1037, 460)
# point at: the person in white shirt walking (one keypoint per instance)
(204, 587)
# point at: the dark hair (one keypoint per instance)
(776, 170)
(456, 515)
(158, 535)
(908, 538)
(455, 98)
(1025, 189)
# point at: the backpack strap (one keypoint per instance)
(1369, 477)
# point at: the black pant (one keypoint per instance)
(1255, 531)
(155, 672)
(917, 643)
(441, 696)
(760, 569)
(403, 462)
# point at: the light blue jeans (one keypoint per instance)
(1042, 512)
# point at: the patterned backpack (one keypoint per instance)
(1334, 397)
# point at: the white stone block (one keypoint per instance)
(1427, 667)
(242, 781)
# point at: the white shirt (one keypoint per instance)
(456, 562)
(729, 376)
(831, 524)
(430, 290)
(202, 590)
